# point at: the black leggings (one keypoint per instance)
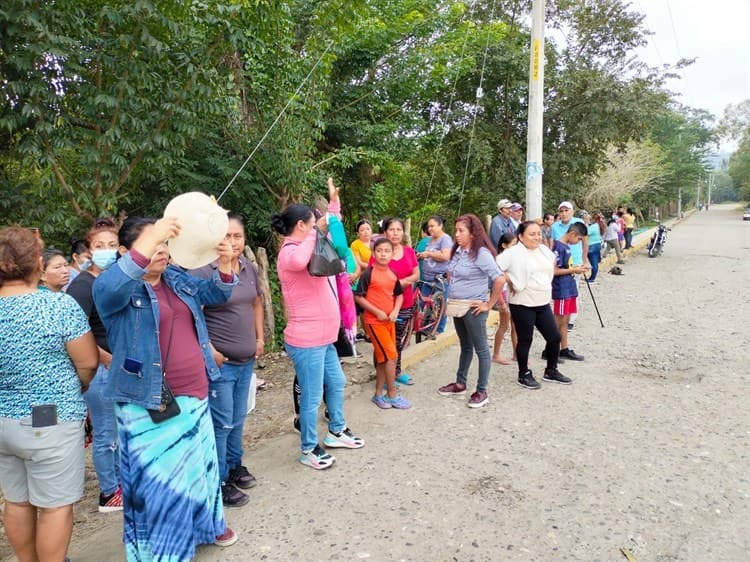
(525, 318)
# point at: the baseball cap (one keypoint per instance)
(504, 204)
(566, 204)
(516, 207)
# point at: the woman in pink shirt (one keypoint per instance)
(311, 302)
(406, 267)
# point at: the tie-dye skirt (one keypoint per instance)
(170, 482)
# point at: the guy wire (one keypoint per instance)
(278, 117)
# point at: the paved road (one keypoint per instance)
(648, 450)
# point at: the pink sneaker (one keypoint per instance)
(228, 538)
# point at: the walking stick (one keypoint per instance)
(593, 299)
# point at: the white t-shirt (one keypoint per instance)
(530, 272)
(612, 232)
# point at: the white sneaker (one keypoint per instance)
(317, 459)
(344, 439)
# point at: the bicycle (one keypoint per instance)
(428, 310)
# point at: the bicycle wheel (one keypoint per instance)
(422, 323)
(406, 339)
(437, 310)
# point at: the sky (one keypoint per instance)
(715, 33)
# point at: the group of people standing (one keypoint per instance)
(528, 274)
(162, 359)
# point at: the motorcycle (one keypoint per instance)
(656, 245)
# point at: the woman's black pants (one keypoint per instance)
(525, 319)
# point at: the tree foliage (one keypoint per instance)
(736, 125)
(113, 107)
(626, 173)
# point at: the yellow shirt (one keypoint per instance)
(361, 251)
(629, 220)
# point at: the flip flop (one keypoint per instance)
(403, 378)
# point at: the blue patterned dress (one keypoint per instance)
(170, 480)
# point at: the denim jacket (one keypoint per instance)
(129, 310)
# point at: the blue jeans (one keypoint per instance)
(472, 336)
(227, 398)
(595, 256)
(316, 367)
(105, 450)
(426, 291)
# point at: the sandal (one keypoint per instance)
(403, 378)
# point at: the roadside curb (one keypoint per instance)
(642, 241)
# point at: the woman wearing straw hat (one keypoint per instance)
(157, 334)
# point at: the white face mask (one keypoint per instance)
(84, 265)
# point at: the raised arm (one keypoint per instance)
(296, 256)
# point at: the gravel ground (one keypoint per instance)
(647, 451)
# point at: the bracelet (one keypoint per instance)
(259, 341)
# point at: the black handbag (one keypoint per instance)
(324, 261)
(168, 408)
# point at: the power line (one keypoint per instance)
(278, 117)
(674, 31)
(450, 101)
(651, 43)
(480, 94)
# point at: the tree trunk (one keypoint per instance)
(269, 323)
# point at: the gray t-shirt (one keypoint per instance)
(430, 267)
(231, 325)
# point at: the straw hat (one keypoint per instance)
(204, 224)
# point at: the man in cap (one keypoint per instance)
(502, 222)
(516, 214)
(578, 251)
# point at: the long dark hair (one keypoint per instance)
(131, 229)
(506, 238)
(479, 236)
(285, 221)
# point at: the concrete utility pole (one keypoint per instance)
(534, 169)
(698, 194)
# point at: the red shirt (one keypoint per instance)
(181, 354)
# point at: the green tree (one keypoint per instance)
(736, 125)
(101, 95)
(685, 136)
